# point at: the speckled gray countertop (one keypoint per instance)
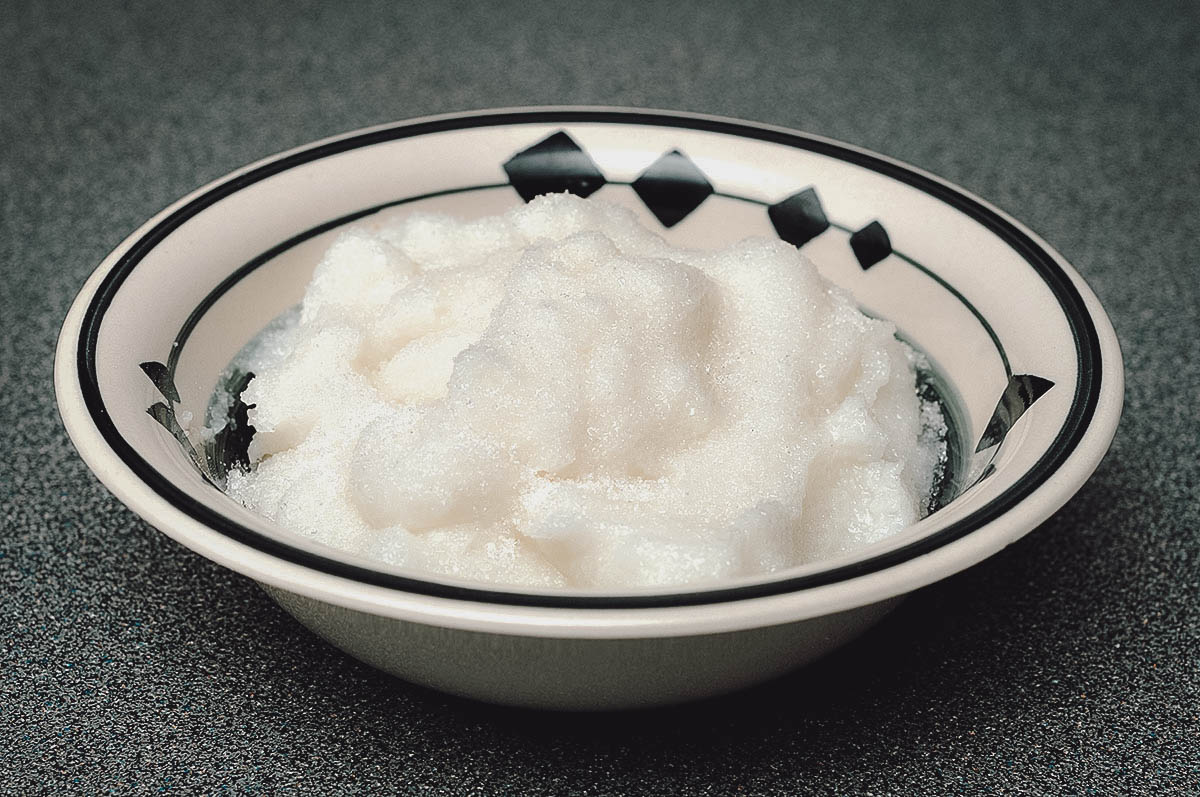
(1069, 663)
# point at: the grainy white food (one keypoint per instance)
(557, 397)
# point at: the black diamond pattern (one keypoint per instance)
(551, 166)
(871, 244)
(672, 187)
(799, 218)
(1018, 396)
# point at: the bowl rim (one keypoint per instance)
(1072, 457)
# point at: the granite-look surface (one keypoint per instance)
(1069, 663)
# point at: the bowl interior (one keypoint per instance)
(990, 310)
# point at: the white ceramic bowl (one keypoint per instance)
(1032, 363)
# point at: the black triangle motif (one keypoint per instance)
(553, 165)
(1020, 393)
(165, 415)
(160, 375)
(229, 448)
(672, 187)
(223, 451)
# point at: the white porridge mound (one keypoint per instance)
(557, 397)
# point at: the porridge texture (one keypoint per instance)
(556, 397)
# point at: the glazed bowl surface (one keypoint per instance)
(1026, 362)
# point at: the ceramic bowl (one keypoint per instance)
(1027, 361)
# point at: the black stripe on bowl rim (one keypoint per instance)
(1083, 331)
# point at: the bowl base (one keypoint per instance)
(578, 674)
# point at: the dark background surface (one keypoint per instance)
(1069, 663)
